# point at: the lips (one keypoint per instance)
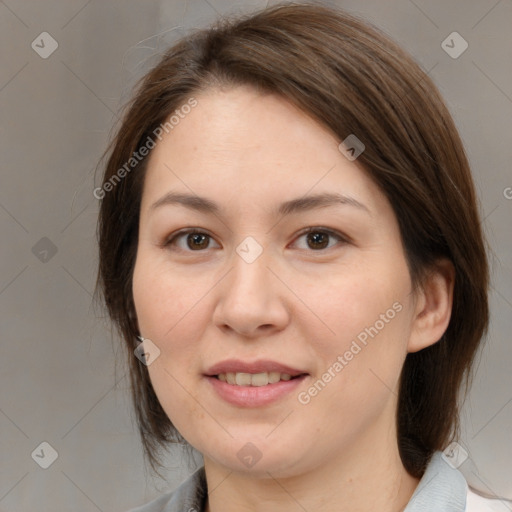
(253, 384)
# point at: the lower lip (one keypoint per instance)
(254, 396)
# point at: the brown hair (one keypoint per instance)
(353, 79)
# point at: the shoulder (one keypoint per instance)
(190, 495)
(477, 503)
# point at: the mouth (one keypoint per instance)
(256, 373)
(254, 384)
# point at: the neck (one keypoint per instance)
(357, 480)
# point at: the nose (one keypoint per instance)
(251, 299)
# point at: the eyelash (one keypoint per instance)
(315, 229)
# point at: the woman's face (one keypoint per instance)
(252, 293)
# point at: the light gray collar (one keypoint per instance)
(442, 488)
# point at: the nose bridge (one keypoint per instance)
(249, 297)
(250, 274)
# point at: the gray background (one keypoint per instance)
(59, 381)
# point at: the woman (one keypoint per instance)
(291, 250)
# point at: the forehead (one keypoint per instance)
(242, 144)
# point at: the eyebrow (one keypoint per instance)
(301, 204)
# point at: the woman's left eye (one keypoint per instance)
(317, 239)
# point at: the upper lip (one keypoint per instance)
(263, 365)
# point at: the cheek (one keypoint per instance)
(168, 312)
(167, 304)
(358, 305)
(364, 349)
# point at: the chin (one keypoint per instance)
(260, 455)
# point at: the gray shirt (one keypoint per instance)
(441, 489)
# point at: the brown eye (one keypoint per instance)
(196, 240)
(319, 239)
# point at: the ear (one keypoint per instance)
(433, 306)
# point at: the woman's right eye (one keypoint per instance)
(195, 240)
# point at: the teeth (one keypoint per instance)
(274, 377)
(258, 379)
(253, 379)
(243, 379)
